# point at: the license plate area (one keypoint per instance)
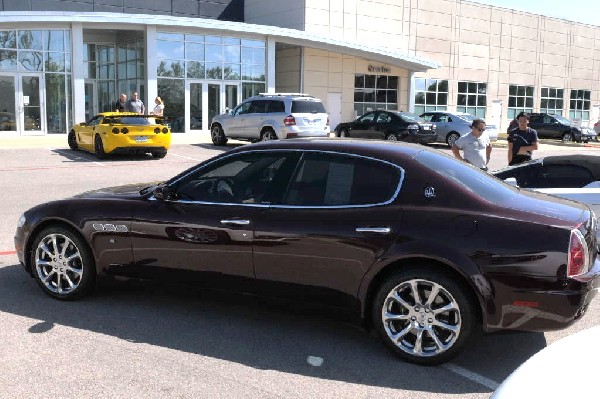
(141, 139)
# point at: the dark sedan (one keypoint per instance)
(389, 125)
(426, 249)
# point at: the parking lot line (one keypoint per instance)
(478, 378)
(186, 157)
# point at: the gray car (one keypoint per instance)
(451, 125)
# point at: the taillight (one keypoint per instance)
(124, 130)
(165, 130)
(578, 255)
(115, 130)
(289, 120)
(156, 130)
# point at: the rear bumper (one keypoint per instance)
(154, 141)
(137, 150)
(553, 308)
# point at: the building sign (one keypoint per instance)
(379, 69)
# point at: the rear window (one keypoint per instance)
(131, 120)
(307, 107)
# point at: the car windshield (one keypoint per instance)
(562, 120)
(410, 117)
(307, 107)
(132, 120)
(479, 183)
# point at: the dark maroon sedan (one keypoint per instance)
(426, 249)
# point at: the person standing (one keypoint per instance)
(159, 107)
(121, 104)
(476, 146)
(135, 104)
(522, 141)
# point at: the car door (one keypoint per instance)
(536, 121)
(235, 125)
(383, 125)
(442, 127)
(334, 221)
(85, 133)
(202, 227)
(553, 128)
(364, 126)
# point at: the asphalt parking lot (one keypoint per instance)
(143, 340)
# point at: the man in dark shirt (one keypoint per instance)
(521, 141)
(121, 104)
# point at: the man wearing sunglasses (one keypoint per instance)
(476, 146)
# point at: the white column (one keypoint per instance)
(270, 65)
(411, 91)
(77, 72)
(151, 83)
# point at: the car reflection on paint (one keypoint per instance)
(424, 248)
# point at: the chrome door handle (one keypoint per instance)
(236, 222)
(378, 230)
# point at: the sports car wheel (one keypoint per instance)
(343, 133)
(72, 140)
(567, 137)
(451, 138)
(99, 148)
(268, 135)
(391, 137)
(423, 315)
(62, 263)
(159, 154)
(218, 135)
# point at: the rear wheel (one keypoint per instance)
(99, 148)
(423, 315)
(567, 137)
(72, 140)
(451, 138)
(268, 135)
(343, 133)
(62, 263)
(218, 135)
(391, 137)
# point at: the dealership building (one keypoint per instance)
(64, 61)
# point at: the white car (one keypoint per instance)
(270, 117)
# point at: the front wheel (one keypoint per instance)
(391, 137)
(62, 264)
(451, 138)
(72, 140)
(425, 316)
(99, 148)
(218, 135)
(567, 137)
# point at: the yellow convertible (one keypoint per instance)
(121, 133)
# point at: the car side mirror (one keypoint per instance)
(512, 181)
(163, 193)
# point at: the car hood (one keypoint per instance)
(128, 190)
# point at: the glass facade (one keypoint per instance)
(430, 95)
(191, 57)
(375, 92)
(41, 60)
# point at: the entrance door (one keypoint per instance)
(30, 106)
(214, 101)
(91, 101)
(8, 111)
(207, 99)
(231, 96)
(195, 106)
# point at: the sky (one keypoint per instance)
(584, 11)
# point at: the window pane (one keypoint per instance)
(529, 102)
(54, 40)
(194, 38)
(544, 92)
(170, 68)
(370, 81)
(442, 99)
(381, 82)
(420, 98)
(170, 36)
(172, 93)
(359, 81)
(253, 43)
(30, 39)
(8, 60)
(8, 39)
(430, 98)
(253, 55)
(481, 101)
(512, 90)
(213, 71)
(392, 97)
(529, 91)
(231, 54)
(472, 87)
(462, 87)
(173, 50)
(420, 84)
(55, 62)
(392, 82)
(231, 71)
(461, 99)
(194, 51)
(520, 90)
(195, 70)
(31, 60)
(443, 86)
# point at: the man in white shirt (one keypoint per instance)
(476, 146)
(135, 104)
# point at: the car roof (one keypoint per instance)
(379, 149)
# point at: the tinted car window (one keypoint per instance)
(307, 107)
(258, 107)
(243, 179)
(94, 121)
(242, 109)
(367, 118)
(337, 180)
(535, 119)
(429, 117)
(479, 183)
(410, 117)
(130, 120)
(384, 118)
(276, 106)
(564, 176)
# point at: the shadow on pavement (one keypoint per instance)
(259, 333)
(82, 156)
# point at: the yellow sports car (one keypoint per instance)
(121, 133)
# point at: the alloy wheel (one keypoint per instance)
(421, 318)
(58, 264)
(391, 137)
(268, 135)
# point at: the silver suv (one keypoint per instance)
(270, 117)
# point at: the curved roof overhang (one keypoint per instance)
(103, 20)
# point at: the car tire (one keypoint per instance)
(430, 330)
(343, 133)
(62, 263)
(391, 137)
(159, 154)
(72, 140)
(99, 147)
(451, 138)
(567, 137)
(268, 135)
(218, 135)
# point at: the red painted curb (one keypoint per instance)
(8, 253)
